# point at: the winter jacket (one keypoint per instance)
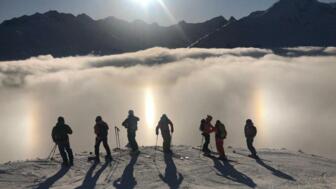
(208, 128)
(220, 131)
(131, 123)
(163, 125)
(101, 129)
(250, 131)
(60, 133)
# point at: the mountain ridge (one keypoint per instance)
(61, 34)
(287, 23)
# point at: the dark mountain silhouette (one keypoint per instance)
(287, 23)
(62, 34)
(333, 5)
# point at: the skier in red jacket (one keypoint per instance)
(220, 136)
(206, 128)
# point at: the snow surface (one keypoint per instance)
(277, 169)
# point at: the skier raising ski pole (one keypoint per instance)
(163, 125)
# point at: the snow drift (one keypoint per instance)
(276, 169)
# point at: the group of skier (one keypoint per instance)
(207, 128)
(61, 131)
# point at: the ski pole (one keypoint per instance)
(171, 142)
(118, 131)
(116, 137)
(52, 152)
(157, 136)
(115, 134)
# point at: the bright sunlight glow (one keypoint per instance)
(149, 105)
(144, 3)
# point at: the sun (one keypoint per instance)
(144, 3)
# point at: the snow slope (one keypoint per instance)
(277, 169)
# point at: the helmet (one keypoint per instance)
(60, 119)
(98, 118)
(209, 118)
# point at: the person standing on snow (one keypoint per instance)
(250, 132)
(60, 136)
(101, 130)
(220, 136)
(206, 128)
(131, 124)
(163, 125)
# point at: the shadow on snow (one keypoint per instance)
(90, 179)
(127, 180)
(274, 171)
(171, 177)
(228, 171)
(51, 180)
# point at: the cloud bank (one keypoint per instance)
(288, 93)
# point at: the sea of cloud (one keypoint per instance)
(289, 93)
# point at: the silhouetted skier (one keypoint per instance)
(163, 125)
(101, 130)
(60, 136)
(250, 133)
(220, 136)
(131, 124)
(206, 128)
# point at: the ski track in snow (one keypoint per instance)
(278, 169)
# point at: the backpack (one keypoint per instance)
(250, 131)
(221, 132)
(101, 129)
(59, 134)
(202, 126)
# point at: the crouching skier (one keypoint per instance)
(163, 125)
(60, 136)
(101, 130)
(220, 136)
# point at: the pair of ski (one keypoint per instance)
(250, 156)
(109, 159)
(213, 155)
(174, 155)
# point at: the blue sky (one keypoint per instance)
(188, 10)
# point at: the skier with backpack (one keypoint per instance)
(101, 130)
(250, 132)
(60, 136)
(131, 124)
(163, 125)
(220, 136)
(206, 127)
